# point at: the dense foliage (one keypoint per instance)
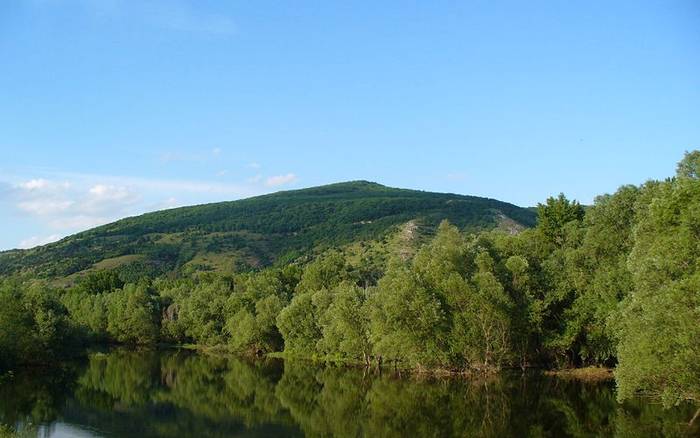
(228, 237)
(617, 283)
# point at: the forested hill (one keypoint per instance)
(259, 231)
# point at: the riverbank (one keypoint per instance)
(586, 374)
(591, 374)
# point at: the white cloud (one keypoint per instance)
(63, 203)
(44, 206)
(41, 184)
(78, 222)
(109, 192)
(34, 184)
(171, 202)
(40, 196)
(279, 180)
(254, 165)
(37, 241)
(216, 151)
(98, 190)
(107, 200)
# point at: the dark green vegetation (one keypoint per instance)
(166, 394)
(256, 232)
(617, 284)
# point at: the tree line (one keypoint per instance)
(613, 284)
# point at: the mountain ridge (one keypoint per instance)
(258, 231)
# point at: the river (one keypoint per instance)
(179, 393)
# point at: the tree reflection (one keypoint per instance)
(180, 393)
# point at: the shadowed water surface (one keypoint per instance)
(184, 394)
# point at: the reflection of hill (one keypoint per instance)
(151, 394)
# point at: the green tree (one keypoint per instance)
(298, 325)
(134, 314)
(253, 309)
(345, 324)
(256, 330)
(99, 282)
(603, 277)
(689, 166)
(659, 332)
(408, 322)
(554, 215)
(88, 312)
(34, 325)
(325, 272)
(482, 326)
(202, 311)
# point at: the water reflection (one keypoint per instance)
(180, 393)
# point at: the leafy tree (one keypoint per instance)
(256, 330)
(298, 325)
(689, 166)
(554, 215)
(482, 332)
(99, 282)
(34, 325)
(88, 313)
(659, 335)
(345, 324)
(325, 272)
(254, 307)
(408, 322)
(202, 311)
(134, 314)
(604, 279)
(16, 327)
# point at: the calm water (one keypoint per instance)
(183, 394)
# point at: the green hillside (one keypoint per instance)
(259, 231)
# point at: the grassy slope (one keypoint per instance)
(258, 231)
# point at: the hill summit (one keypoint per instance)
(259, 231)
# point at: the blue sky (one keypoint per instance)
(111, 108)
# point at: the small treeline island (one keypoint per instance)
(616, 284)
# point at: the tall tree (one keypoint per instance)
(659, 347)
(134, 314)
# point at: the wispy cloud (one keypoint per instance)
(280, 180)
(44, 206)
(79, 222)
(34, 184)
(33, 241)
(63, 203)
